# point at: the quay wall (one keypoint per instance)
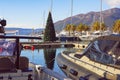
(55, 45)
(48, 45)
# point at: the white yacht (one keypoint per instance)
(99, 61)
(88, 36)
(13, 66)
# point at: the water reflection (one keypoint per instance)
(44, 57)
(49, 56)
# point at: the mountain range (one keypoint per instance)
(108, 17)
(23, 31)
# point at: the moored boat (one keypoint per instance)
(100, 60)
(13, 66)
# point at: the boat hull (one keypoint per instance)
(34, 72)
(75, 71)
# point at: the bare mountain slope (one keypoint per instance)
(109, 16)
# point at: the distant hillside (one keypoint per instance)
(109, 16)
(23, 31)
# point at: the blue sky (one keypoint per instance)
(33, 13)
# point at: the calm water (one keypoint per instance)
(44, 57)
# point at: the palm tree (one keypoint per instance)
(96, 26)
(116, 26)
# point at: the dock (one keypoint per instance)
(47, 44)
(39, 45)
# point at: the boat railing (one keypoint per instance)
(108, 65)
(89, 64)
(51, 75)
(43, 73)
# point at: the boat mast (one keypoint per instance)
(71, 10)
(71, 13)
(101, 15)
(51, 6)
(44, 19)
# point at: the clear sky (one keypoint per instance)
(33, 13)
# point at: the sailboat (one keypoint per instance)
(100, 60)
(64, 35)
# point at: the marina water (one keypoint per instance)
(44, 57)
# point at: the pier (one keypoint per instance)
(47, 44)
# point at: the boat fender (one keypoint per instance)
(9, 78)
(32, 48)
(83, 46)
(105, 74)
(1, 49)
(85, 77)
(118, 76)
(29, 47)
(63, 66)
(102, 78)
(1, 77)
(82, 78)
(40, 69)
(73, 72)
(30, 77)
(26, 47)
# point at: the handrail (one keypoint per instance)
(19, 37)
(102, 63)
(90, 64)
(53, 74)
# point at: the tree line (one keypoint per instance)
(71, 28)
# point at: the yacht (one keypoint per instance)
(99, 61)
(88, 36)
(13, 66)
